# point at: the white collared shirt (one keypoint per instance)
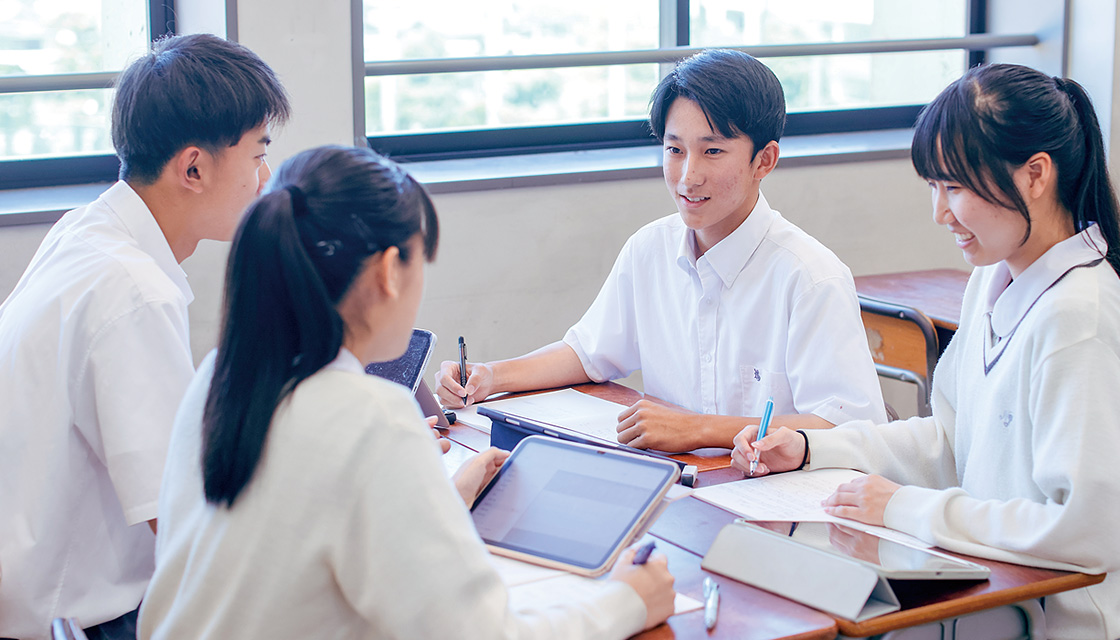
(766, 312)
(95, 357)
(348, 528)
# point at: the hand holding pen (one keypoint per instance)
(455, 376)
(648, 575)
(762, 427)
(463, 368)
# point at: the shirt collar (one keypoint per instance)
(346, 361)
(730, 256)
(141, 225)
(1009, 300)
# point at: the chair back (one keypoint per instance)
(903, 345)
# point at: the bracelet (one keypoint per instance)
(804, 458)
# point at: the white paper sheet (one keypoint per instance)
(567, 408)
(794, 496)
(567, 587)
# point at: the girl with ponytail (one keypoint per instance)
(1016, 463)
(304, 498)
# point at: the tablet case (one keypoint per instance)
(506, 430)
(819, 579)
(408, 370)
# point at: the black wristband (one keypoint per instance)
(804, 458)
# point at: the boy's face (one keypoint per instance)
(241, 173)
(713, 179)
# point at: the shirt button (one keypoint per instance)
(708, 358)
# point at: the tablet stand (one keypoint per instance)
(799, 572)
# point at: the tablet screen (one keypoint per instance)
(891, 559)
(569, 503)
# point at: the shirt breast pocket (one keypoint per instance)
(758, 385)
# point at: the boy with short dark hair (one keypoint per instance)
(722, 305)
(94, 338)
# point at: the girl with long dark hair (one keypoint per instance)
(1017, 462)
(304, 498)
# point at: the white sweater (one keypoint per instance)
(1017, 464)
(349, 528)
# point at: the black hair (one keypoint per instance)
(988, 123)
(738, 95)
(196, 89)
(299, 247)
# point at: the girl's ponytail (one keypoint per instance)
(1092, 198)
(280, 327)
(293, 259)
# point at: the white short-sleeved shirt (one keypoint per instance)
(766, 312)
(94, 358)
(348, 528)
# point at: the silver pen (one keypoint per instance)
(711, 602)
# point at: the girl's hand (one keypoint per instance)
(652, 581)
(781, 450)
(477, 471)
(444, 443)
(864, 499)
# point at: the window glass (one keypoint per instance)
(815, 83)
(45, 37)
(454, 29)
(435, 103)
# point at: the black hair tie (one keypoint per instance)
(299, 201)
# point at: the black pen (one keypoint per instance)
(463, 367)
(642, 554)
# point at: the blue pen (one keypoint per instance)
(643, 552)
(762, 428)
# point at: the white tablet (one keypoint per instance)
(568, 505)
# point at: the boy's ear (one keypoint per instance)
(188, 167)
(766, 159)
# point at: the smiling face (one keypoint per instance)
(713, 180)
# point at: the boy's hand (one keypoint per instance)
(651, 425)
(480, 383)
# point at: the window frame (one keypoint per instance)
(24, 173)
(526, 139)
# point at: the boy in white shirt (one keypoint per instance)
(722, 305)
(94, 338)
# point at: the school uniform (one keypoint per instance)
(1017, 462)
(95, 356)
(766, 312)
(349, 528)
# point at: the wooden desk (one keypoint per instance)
(745, 612)
(936, 292)
(704, 459)
(693, 524)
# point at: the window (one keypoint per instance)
(503, 76)
(57, 60)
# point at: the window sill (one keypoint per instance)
(47, 204)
